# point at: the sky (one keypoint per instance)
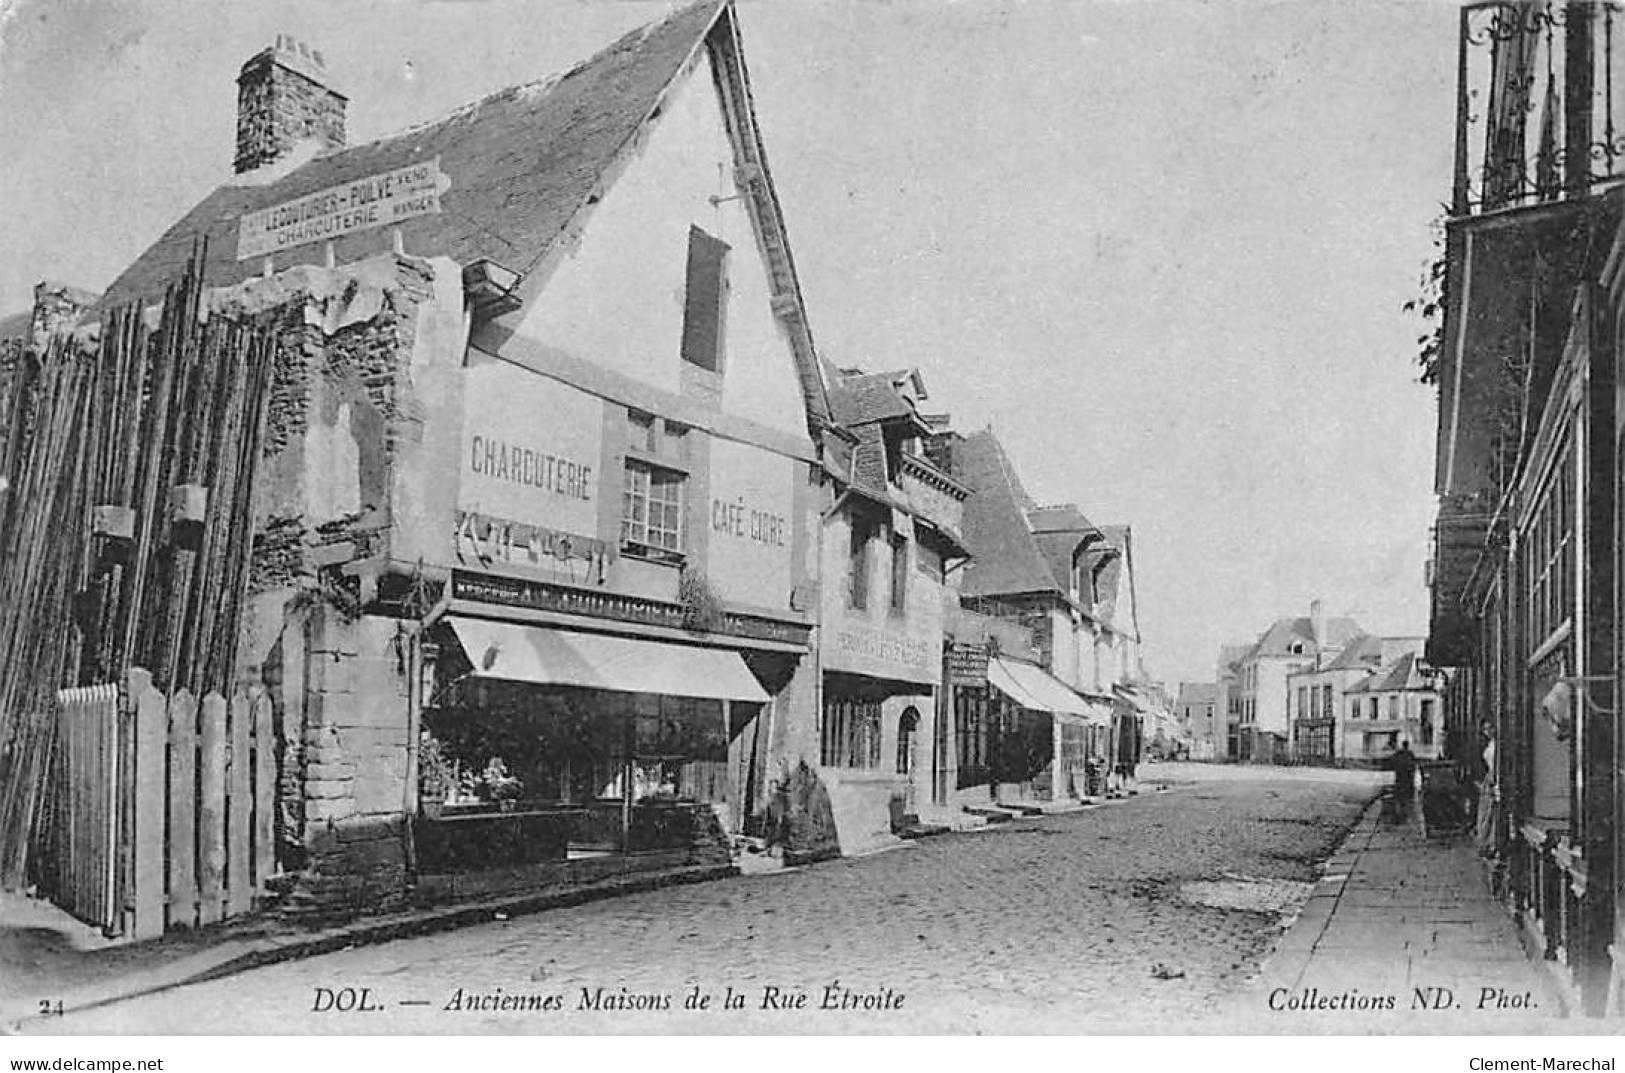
(1160, 246)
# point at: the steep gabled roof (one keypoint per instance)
(867, 398)
(1284, 633)
(1361, 654)
(521, 163)
(525, 166)
(1005, 559)
(1058, 531)
(1405, 673)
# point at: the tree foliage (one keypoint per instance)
(1429, 305)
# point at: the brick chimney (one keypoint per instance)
(283, 98)
(1317, 623)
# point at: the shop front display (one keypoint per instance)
(1048, 732)
(545, 745)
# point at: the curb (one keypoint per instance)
(232, 957)
(1296, 947)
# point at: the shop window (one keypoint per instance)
(703, 298)
(899, 572)
(1550, 557)
(652, 509)
(851, 733)
(970, 734)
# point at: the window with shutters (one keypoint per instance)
(703, 298)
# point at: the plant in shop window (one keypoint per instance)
(703, 611)
(437, 775)
(496, 785)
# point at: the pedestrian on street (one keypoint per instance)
(1403, 763)
(1487, 794)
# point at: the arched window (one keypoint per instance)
(907, 724)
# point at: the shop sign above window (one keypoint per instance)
(373, 201)
(489, 541)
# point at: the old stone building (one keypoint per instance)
(529, 547)
(890, 537)
(1042, 731)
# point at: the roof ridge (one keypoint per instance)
(538, 87)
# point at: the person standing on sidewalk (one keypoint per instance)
(1487, 795)
(1403, 763)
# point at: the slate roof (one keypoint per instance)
(1005, 559)
(1284, 633)
(1405, 673)
(17, 325)
(521, 163)
(1361, 654)
(1058, 530)
(866, 398)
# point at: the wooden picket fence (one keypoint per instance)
(164, 806)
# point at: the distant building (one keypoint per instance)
(1319, 712)
(1200, 713)
(1401, 702)
(1228, 679)
(1289, 646)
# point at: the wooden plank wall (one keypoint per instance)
(167, 806)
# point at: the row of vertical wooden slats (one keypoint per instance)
(121, 422)
(166, 806)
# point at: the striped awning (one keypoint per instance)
(1033, 687)
(547, 656)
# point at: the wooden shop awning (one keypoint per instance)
(1033, 687)
(596, 661)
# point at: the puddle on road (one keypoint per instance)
(1281, 897)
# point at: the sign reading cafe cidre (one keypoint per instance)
(385, 198)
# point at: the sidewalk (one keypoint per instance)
(1403, 936)
(48, 956)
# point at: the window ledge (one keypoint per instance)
(658, 556)
(655, 461)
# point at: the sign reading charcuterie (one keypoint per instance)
(374, 201)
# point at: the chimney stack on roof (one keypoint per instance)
(1317, 623)
(284, 97)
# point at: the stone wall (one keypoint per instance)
(345, 416)
(354, 745)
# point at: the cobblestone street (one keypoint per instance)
(1090, 921)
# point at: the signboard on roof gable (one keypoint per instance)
(387, 197)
